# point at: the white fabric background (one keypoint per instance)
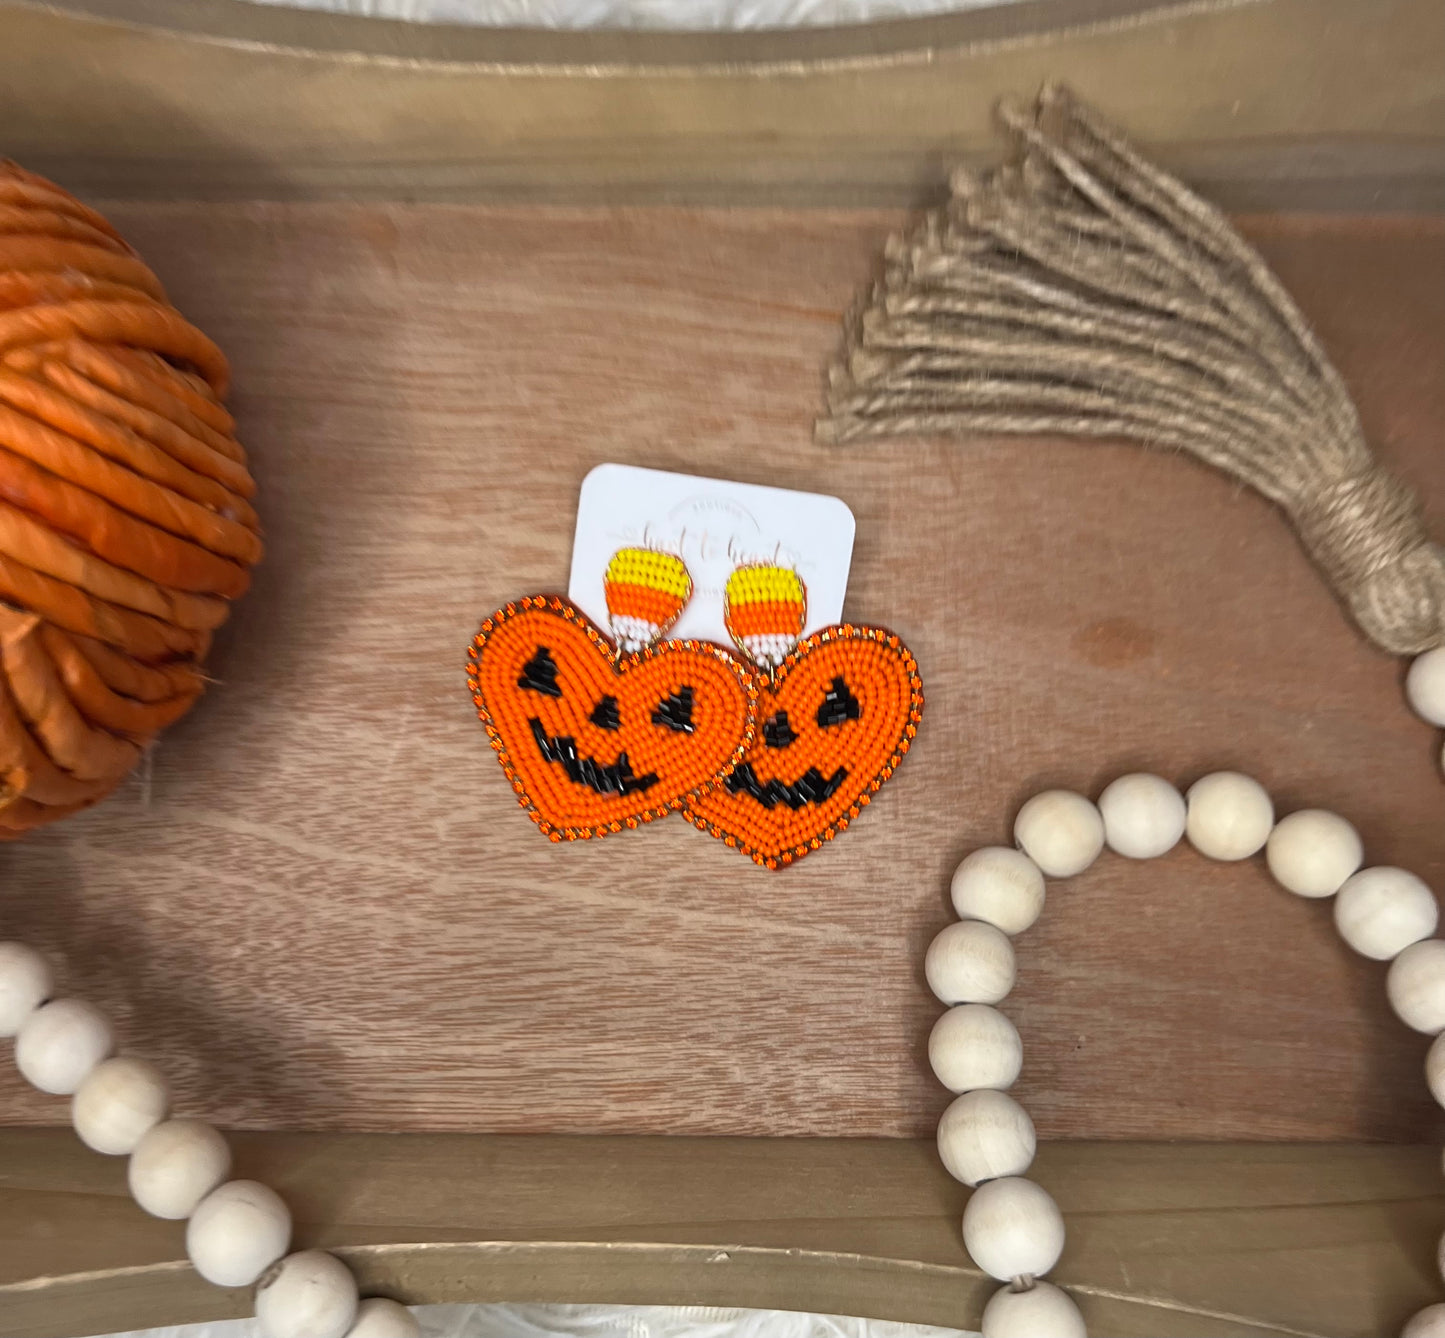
(640, 13)
(536, 1321)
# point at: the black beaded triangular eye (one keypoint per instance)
(605, 714)
(539, 674)
(675, 711)
(838, 705)
(777, 733)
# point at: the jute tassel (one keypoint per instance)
(1078, 290)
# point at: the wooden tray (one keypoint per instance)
(319, 907)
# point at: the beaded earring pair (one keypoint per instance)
(773, 751)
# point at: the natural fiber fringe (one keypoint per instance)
(1078, 290)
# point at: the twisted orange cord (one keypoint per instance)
(125, 519)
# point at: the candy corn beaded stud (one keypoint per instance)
(646, 591)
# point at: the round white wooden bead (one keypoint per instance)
(382, 1318)
(175, 1166)
(1381, 911)
(1426, 1323)
(1041, 1312)
(1060, 831)
(1013, 1229)
(310, 1294)
(237, 1232)
(970, 962)
(25, 984)
(1415, 984)
(1000, 886)
(1143, 816)
(1425, 685)
(121, 1100)
(1312, 852)
(1230, 816)
(1435, 1068)
(59, 1044)
(984, 1135)
(975, 1046)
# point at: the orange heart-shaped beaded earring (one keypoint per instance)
(836, 714)
(597, 735)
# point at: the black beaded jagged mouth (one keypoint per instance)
(812, 787)
(600, 777)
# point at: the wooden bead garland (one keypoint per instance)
(1425, 686)
(175, 1166)
(1012, 1228)
(1060, 831)
(120, 1102)
(239, 1230)
(1144, 816)
(1416, 986)
(309, 1294)
(1425, 691)
(1312, 852)
(974, 1046)
(25, 983)
(59, 1044)
(985, 1134)
(1381, 912)
(1230, 816)
(970, 962)
(999, 886)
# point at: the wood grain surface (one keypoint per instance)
(320, 908)
(226, 99)
(1219, 1241)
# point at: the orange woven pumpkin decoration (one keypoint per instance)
(125, 524)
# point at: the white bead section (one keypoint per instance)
(1425, 685)
(1013, 1229)
(382, 1318)
(310, 1294)
(970, 962)
(1230, 816)
(237, 1232)
(1044, 1311)
(985, 1135)
(1416, 986)
(121, 1101)
(1426, 1323)
(1143, 816)
(25, 984)
(975, 1046)
(1312, 852)
(1382, 911)
(999, 886)
(175, 1166)
(1060, 831)
(59, 1044)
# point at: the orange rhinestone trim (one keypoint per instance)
(838, 717)
(593, 742)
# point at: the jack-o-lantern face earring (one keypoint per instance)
(595, 736)
(836, 713)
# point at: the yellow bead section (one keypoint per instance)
(764, 585)
(644, 567)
